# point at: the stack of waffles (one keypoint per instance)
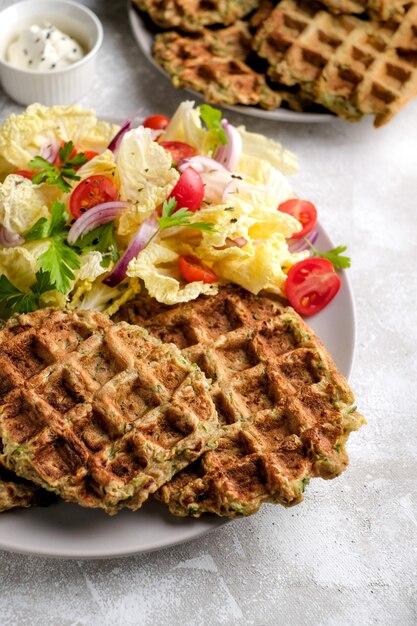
(350, 57)
(215, 406)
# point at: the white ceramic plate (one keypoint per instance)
(144, 36)
(69, 531)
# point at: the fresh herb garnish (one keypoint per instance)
(171, 217)
(101, 239)
(334, 255)
(58, 174)
(16, 301)
(212, 118)
(59, 259)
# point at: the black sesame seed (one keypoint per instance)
(53, 66)
(25, 51)
(74, 49)
(37, 40)
(30, 62)
(48, 35)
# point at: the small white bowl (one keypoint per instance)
(59, 86)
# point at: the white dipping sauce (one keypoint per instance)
(43, 48)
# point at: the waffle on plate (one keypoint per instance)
(285, 410)
(100, 413)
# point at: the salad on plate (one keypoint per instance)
(92, 213)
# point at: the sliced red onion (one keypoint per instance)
(239, 242)
(229, 153)
(236, 185)
(145, 232)
(182, 166)
(114, 145)
(298, 245)
(10, 239)
(49, 150)
(98, 215)
(201, 163)
(214, 184)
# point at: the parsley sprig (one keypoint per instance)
(58, 174)
(171, 217)
(212, 118)
(101, 239)
(14, 300)
(59, 260)
(334, 255)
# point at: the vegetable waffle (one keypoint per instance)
(213, 64)
(233, 41)
(100, 413)
(350, 66)
(285, 410)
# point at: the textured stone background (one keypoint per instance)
(348, 554)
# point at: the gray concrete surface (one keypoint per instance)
(348, 554)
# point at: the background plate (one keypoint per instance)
(70, 531)
(144, 34)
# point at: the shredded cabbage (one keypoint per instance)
(23, 135)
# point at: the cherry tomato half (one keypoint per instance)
(311, 284)
(303, 211)
(192, 269)
(156, 122)
(90, 192)
(25, 173)
(90, 154)
(179, 150)
(189, 190)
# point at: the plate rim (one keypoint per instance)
(139, 31)
(77, 554)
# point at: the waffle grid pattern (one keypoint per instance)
(102, 414)
(282, 405)
(378, 9)
(351, 66)
(214, 64)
